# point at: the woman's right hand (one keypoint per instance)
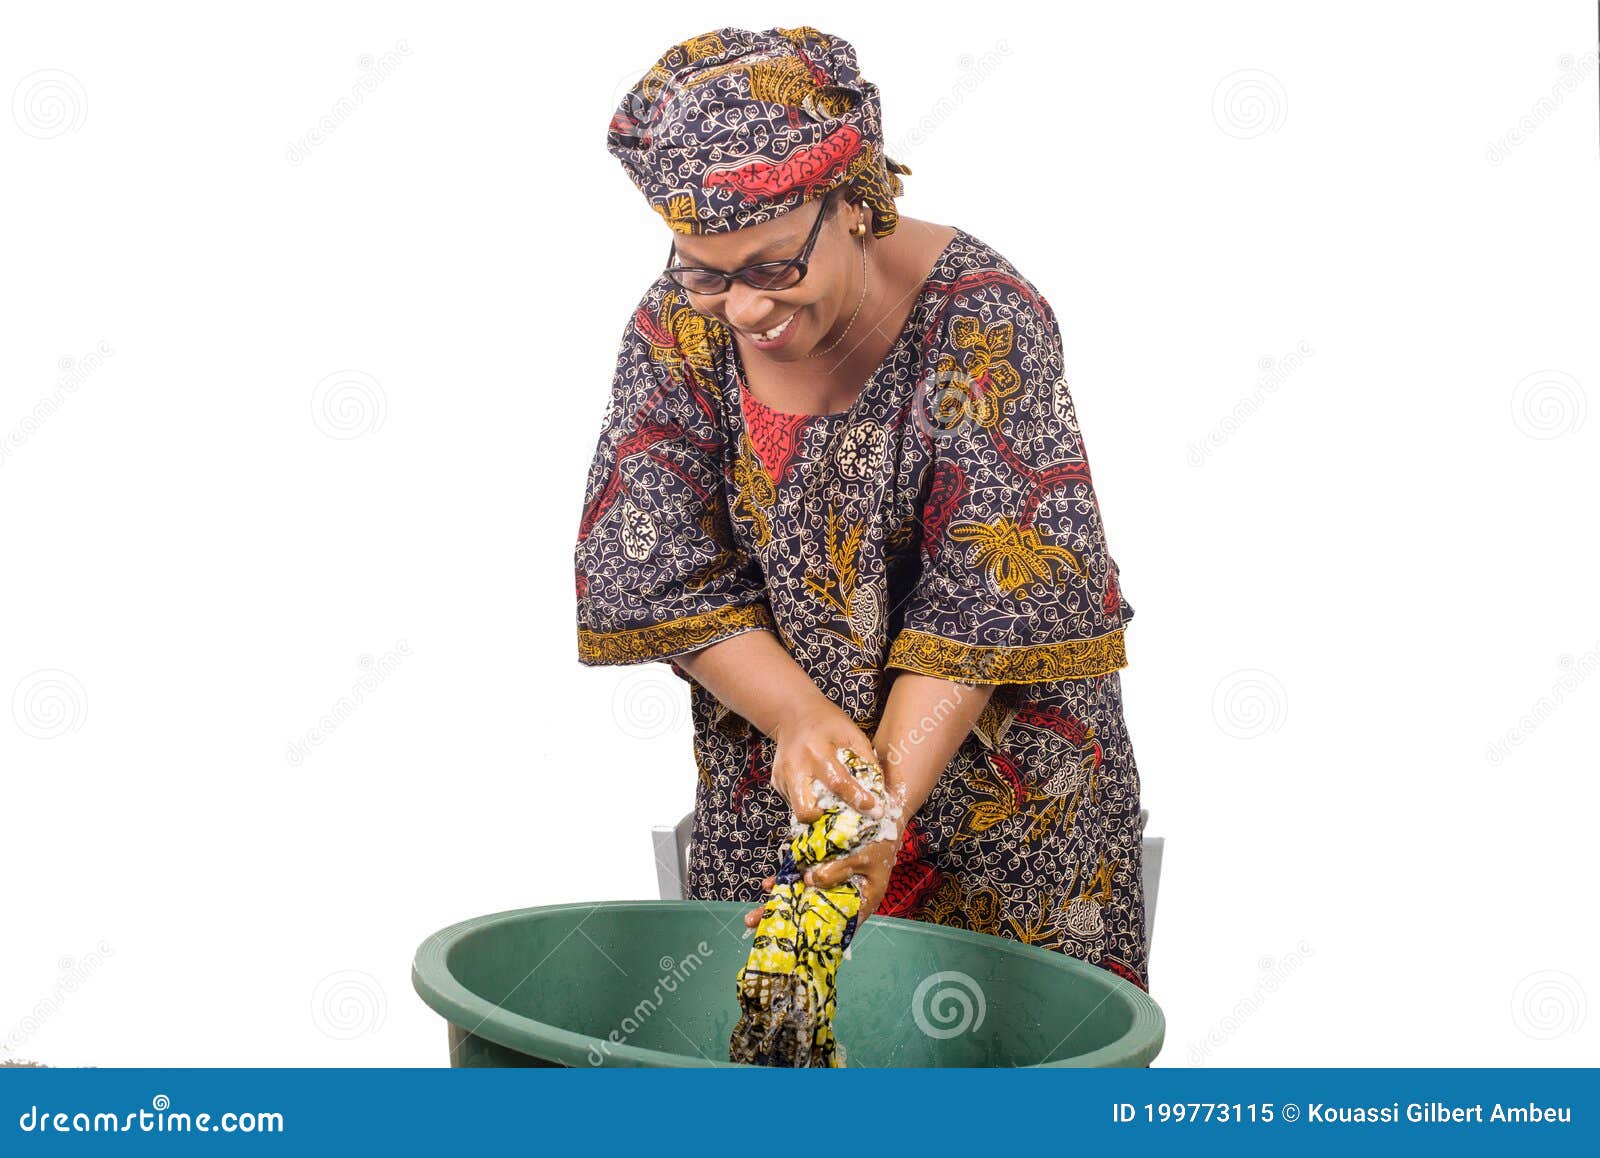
(807, 747)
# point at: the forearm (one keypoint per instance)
(923, 725)
(924, 720)
(755, 676)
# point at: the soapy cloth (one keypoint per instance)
(787, 989)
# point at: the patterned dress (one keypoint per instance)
(944, 524)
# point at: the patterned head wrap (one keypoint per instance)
(732, 128)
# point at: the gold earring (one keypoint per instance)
(858, 229)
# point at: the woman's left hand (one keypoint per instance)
(873, 860)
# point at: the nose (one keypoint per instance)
(748, 307)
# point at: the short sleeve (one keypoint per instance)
(1017, 584)
(658, 571)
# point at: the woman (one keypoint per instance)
(841, 489)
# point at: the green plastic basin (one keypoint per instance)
(651, 983)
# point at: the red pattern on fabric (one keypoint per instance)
(1062, 723)
(810, 167)
(912, 877)
(774, 434)
(945, 493)
(1124, 971)
(1002, 763)
(1112, 600)
(1067, 726)
(753, 775)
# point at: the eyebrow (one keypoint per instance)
(751, 256)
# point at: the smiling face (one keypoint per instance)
(819, 303)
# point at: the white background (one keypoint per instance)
(1378, 567)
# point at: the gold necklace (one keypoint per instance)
(859, 304)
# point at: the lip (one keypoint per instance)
(782, 339)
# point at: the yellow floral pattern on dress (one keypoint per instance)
(837, 588)
(976, 387)
(1015, 556)
(693, 335)
(754, 492)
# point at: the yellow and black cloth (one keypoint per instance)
(788, 988)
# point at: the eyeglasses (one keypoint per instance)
(768, 275)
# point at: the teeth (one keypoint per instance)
(776, 330)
